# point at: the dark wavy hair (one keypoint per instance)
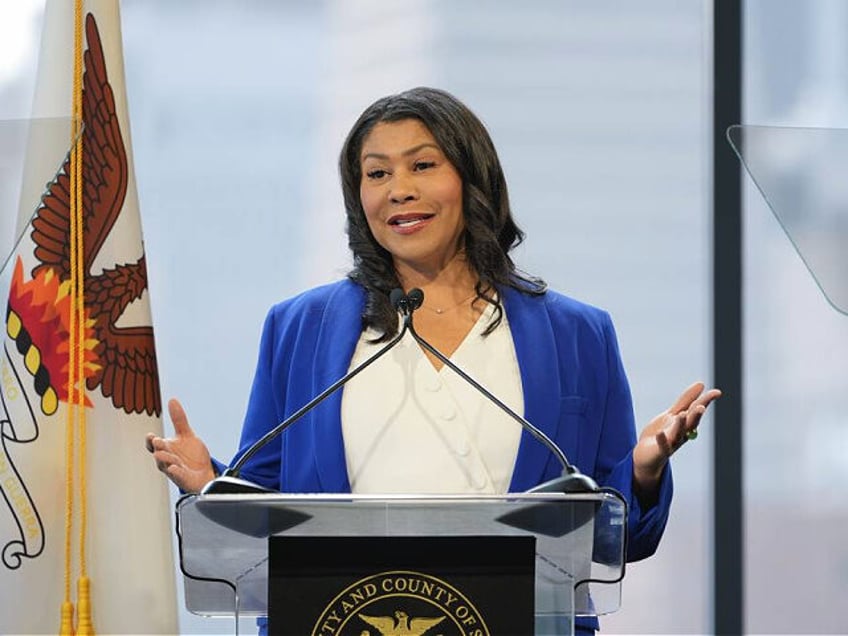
(490, 231)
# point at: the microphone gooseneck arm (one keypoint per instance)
(573, 480)
(230, 483)
(533, 430)
(570, 481)
(294, 417)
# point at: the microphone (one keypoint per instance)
(572, 480)
(229, 482)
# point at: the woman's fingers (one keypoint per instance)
(184, 458)
(697, 411)
(685, 427)
(688, 410)
(164, 456)
(693, 418)
(664, 444)
(694, 395)
(179, 418)
(689, 395)
(679, 429)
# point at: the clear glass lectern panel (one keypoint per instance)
(32, 154)
(801, 175)
(223, 541)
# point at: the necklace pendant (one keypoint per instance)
(440, 311)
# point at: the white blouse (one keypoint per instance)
(409, 428)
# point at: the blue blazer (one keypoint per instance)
(574, 384)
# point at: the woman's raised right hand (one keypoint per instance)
(184, 458)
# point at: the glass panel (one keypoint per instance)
(223, 540)
(796, 344)
(801, 174)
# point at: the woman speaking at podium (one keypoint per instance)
(427, 207)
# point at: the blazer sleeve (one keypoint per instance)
(614, 464)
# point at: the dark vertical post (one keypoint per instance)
(728, 528)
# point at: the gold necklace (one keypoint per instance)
(451, 308)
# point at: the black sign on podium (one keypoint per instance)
(401, 564)
(388, 585)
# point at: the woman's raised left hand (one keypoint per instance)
(666, 433)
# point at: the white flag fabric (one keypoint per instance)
(127, 523)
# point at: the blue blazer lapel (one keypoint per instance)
(338, 334)
(535, 348)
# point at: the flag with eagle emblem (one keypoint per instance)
(85, 538)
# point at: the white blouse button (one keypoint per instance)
(448, 412)
(477, 477)
(462, 448)
(433, 385)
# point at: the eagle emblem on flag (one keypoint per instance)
(118, 360)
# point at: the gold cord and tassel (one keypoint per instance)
(84, 625)
(66, 628)
(75, 420)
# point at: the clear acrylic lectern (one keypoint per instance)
(580, 538)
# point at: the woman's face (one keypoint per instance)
(411, 195)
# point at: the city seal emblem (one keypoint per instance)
(400, 603)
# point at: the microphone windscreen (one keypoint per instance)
(396, 296)
(416, 297)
